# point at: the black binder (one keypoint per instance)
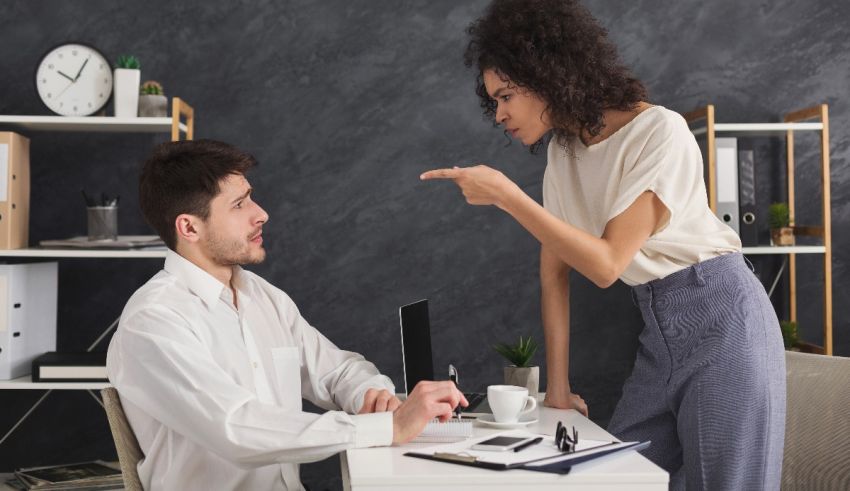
(558, 465)
(748, 229)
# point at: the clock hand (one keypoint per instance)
(81, 69)
(66, 76)
(65, 89)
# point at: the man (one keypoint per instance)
(212, 362)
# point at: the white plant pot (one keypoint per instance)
(126, 92)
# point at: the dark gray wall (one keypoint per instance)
(344, 104)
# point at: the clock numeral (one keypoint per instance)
(101, 95)
(75, 108)
(50, 66)
(61, 56)
(74, 52)
(44, 80)
(49, 96)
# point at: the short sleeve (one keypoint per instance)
(551, 188)
(662, 161)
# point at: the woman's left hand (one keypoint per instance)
(481, 185)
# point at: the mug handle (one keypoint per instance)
(528, 409)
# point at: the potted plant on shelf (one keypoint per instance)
(519, 373)
(127, 76)
(779, 220)
(789, 335)
(152, 100)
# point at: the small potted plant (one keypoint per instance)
(789, 335)
(152, 100)
(127, 76)
(778, 218)
(519, 373)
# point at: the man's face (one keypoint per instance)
(233, 230)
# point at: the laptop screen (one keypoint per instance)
(416, 344)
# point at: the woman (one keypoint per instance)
(623, 198)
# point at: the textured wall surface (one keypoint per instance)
(344, 104)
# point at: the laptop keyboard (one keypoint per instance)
(474, 399)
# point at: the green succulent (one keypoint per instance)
(778, 215)
(519, 354)
(151, 87)
(129, 62)
(789, 333)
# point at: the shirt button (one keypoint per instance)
(255, 364)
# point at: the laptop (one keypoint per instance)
(417, 361)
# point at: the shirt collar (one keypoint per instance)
(199, 282)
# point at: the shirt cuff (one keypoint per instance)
(373, 429)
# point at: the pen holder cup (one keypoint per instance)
(102, 222)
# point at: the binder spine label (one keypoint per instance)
(4, 171)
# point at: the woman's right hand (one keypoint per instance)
(565, 399)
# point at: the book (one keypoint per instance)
(452, 430)
(79, 476)
(70, 367)
(123, 242)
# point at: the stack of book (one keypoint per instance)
(95, 475)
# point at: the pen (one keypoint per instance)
(528, 444)
(453, 378)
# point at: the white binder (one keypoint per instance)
(727, 182)
(27, 315)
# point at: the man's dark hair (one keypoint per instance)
(558, 50)
(183, 177)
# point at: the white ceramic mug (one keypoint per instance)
(509, 402)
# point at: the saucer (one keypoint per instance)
(487, 419)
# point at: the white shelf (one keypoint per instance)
(101, 124)
(785, 250)
(759, 128)
(84, 253)
(25, 383)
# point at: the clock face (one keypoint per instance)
(74, 80)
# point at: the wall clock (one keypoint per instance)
(74, 80)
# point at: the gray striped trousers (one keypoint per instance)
(708, 384)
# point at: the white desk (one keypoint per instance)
(386, 468)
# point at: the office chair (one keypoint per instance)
(817, 425)
(129, 452)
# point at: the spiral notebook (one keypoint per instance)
(453, 430)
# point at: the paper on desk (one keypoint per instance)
(546, 450)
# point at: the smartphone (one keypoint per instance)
(501, 443)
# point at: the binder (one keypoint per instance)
(27, 315)
(14, 190)
(558, 463)
(748, 229)
(727, 181)
(70, 367)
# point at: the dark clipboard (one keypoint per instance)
(562, 466)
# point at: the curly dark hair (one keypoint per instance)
(559, 51)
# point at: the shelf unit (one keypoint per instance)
(792, 122)
(83, 253)
(181, 122)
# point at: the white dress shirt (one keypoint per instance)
(213, 392)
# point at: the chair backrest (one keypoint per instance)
(129, 452)
(817, 424)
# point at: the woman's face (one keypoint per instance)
(519, 110)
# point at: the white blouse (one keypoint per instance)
(655, 151)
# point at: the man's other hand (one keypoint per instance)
(428, 400)
(379, 401)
